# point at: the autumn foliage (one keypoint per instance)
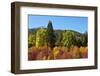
(50, 44)
(45, 53)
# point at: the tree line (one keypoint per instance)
(49, 37)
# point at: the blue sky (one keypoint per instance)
(79, 24)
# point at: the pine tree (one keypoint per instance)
(51, 38)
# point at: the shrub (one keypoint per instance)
(84, 52)
(45, 53)
(32, 53)
(66, 55)
(75, 52)
(55, 52)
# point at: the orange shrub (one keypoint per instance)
(45, 53)
(75, 52)
(32, 53)
(66, 55)
(84, 52)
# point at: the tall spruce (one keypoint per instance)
(51, 38)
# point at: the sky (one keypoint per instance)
(79, 24)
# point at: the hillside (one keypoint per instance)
(33, 31)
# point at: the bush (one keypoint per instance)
(75, 52)
(84, 52)
(32, 53)
(45, 53)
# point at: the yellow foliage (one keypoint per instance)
(55, 51)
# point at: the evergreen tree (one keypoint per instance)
(51, 38)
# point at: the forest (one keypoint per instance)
(47, 43)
